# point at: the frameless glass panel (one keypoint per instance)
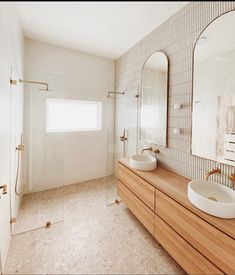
(43, 156)
(126, 133)
(111, 181)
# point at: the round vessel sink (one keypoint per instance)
(213, 198)
(143, 162)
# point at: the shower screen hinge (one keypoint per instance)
(3, 190)
(13, 81)
(48, 224)
(12, 220)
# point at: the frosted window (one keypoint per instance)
(73, 115)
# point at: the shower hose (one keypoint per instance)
(19, 150)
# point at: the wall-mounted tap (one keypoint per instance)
(156, 151)
(214, 171)
(232, 179)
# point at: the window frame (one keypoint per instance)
(66, 101)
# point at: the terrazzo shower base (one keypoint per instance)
(39, 208)
(93, 238)
(111, 191)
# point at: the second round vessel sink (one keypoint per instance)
(212, 198)
(143, 162)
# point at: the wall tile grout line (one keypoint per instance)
(176, 37)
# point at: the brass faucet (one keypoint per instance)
(156, 151)
(215, 170)
(232, 178)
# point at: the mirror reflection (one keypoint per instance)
(154, 100)
(213, 132)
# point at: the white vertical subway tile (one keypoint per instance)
(176, 37)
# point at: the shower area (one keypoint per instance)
(126, 105)
(40, 159)
(37, 156)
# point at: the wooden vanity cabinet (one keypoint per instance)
(138, 208)
(141, 188)
(197, 245)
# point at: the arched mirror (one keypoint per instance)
(154, 95)
(213, 127)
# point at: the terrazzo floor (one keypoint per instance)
(93, 238)
(38, 208)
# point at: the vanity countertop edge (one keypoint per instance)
(175, 186)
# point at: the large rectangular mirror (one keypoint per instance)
(213, 132)
(154, 95)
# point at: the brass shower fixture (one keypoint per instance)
(20, 147)
(35, 82)
(14, 82)
(116, 93)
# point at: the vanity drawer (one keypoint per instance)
(139, 209)
(137, 185)
(187, 256)
(211, 242)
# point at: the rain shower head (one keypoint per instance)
(46, 89)
(116, 93)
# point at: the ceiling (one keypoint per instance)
(106, 29)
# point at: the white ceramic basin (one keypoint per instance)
(144, 162)
(212, 198)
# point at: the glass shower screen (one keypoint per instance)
(42, 167)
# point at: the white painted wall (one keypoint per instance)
(11, 55)
(87, 155)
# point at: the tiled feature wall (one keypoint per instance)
(176, 37)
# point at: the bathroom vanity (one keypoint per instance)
(200, 243)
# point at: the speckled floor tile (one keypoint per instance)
(92, 239)
(38, 208)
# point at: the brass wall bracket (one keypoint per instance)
(12, 220)
(20, 147)
(13, 81)
(4, 189)
(122, 138)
